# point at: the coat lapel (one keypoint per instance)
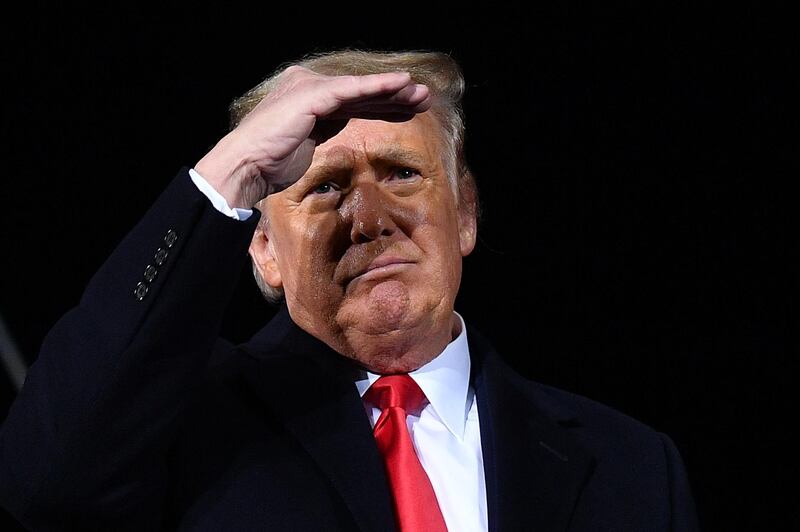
(309, 387)
(535, 469)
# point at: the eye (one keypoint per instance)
(324, 188)
(405, 173)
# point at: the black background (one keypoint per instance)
(634, 166)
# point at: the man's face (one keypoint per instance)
(367, 245)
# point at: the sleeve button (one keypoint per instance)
(170, 238)
(160, 256)
(141, 290)
(150, 273)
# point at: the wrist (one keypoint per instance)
(232, 176)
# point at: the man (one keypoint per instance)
(136, 417)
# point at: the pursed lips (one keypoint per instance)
(383, 263)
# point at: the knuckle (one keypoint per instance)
(294, 74)
(293, 69)
(351, 80)
(345, 87)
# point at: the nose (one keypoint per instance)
(368, 214)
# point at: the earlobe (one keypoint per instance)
(467, 230)
(262, 251)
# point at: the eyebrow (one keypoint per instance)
(398, 154)
(390, 154)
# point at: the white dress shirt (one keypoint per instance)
(446, 434)
(217, 200)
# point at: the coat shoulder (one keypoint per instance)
(590, 413)
(612, 436)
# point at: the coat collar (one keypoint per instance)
(534, 467)
(324, 413)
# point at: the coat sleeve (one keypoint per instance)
(683, 514)
(83, 445)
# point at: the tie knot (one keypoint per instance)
(396, 391)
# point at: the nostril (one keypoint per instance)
(370, 228)
(386, 230)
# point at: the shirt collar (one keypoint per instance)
(445, 382)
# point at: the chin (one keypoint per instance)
(386, 307)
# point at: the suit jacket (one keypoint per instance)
(136, 417)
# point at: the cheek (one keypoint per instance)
(436, 223)
(436, 233)
(306, 253)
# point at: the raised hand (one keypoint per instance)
(275, 142)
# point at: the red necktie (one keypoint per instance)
(415, 503)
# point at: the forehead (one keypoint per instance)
(416, 141)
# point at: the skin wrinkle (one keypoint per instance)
(321, 242)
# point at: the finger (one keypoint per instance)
(410, 95)
(366, 86)
(412, 99)
(413, 94)
(339, 90)
(401, 116)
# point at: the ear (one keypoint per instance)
(467, 229)
(263, 254)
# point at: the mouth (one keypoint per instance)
(383, 266)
